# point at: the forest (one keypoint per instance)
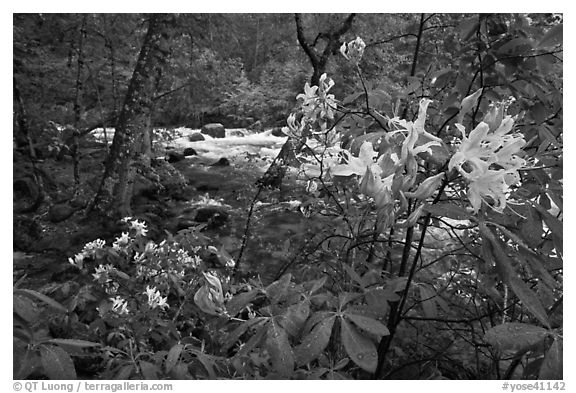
(288, 196)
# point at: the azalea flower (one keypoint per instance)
(155, 299)
(488, 159)
(103, 272)
(119, 305)
(415, 130)
(90, 249)
(316, 100)
(358, 165)
(354, 50)
(493, 184)
(139, 227)
(78, 261)
(121, 242)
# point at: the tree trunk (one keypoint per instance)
(115, 192)
(74, 146)
(319, 59)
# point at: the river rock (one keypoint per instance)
(196, 137)
(215, 216)
(190, 152)
(237, 133)
(215, 130)
(256, 126)
(175, 157)
(222, 162)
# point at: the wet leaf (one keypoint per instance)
(553, 37)
(125, 372)
(56, 362)
(278, 289)
(173, 356)
(361, 350)
(25, 308)
(552, 365)
(37, 295)
(515, 336)
(315, 342)
(294, 318)
(239, 301)
(149, 370)
(368, 324)
(233, 337)
(279, 348)
(529, 299)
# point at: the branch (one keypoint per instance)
(302, 40)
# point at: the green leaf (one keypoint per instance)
(468, 103)
(553, 37)
(149, 370)
(552, 365)
(531, 228)
(173, 356)
(317, 284)
(25, 308)
(555, 226)
(294, 318)
(515, 336)
(368, 324)
(529, 300)
(69, 342)
(346, 297)
(537, 267)
(279, 349)
(507, 272)
(233, 337)
(125, 372)
(207, 361)
(239, 301)
(468, 27)
(353, 275)
(315, 342)
(56, 362)
(449, 210)
(278, 289)
(361, 350)
(37, 295)
(254, 341)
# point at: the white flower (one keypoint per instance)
(90, 249)
(139, 227)
(488, 159)
(354, 50)
(121, 242)
(103, 272)
(119, 305)
(78, 260)
(230, 263)
(155, 299)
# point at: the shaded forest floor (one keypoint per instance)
(217, 196)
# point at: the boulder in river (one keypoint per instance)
(215, 130)
(196, 137)
(190, 152)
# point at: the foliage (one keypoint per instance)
(437, 251)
